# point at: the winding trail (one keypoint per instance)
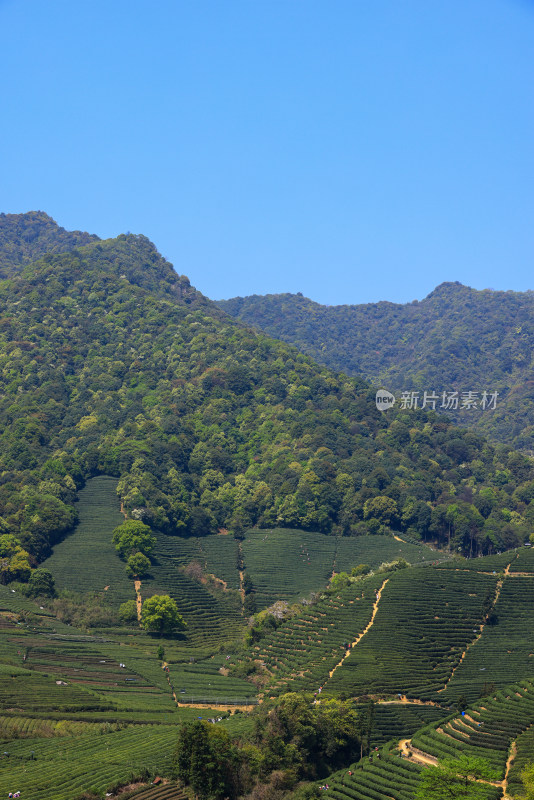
(365, 630)
(406, 701)
(165, 666)
(511, 755)
(482, 625)
(413, 754)
(419, 757)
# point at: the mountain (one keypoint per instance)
(117, 376)
(456, 339)
(27, 237)
(111, 363)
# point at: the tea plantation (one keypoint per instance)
(505, 651)
(88, 709)
(301, 653)
(86, 560)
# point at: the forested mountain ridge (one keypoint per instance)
(457, 338)
(27, 237)
(112, 363)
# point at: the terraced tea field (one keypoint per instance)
(209, 617)
(486, 730)
(489, 729)
(168, 791)
(390, 778)
(505, 651)
(287, 564)
(300, 654)
(524, 751)
(400, 720)
(219, 557)
(425, 620)
(81, 709)
(86, 560)
(375, 550)
(202, 682)
(60, 769)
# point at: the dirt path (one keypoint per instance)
(418, 757)
(481, 626)
(362, 634)
(406, 701)
(511, 756)
(138, 598)
(215, 706)
(167, 675)
(413, 754)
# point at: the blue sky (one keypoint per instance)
(354, 151)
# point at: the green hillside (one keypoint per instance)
(86, 559)
(436, 634)
(264, 480)
(456, 339)
(113, 364)
(487, 730)
(27, 237)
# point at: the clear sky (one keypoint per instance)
(353, 150)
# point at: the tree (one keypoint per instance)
(137, 566)
(339, 581)
(14, 561)
(128, 611)
(206, 760)
(382, 508)
(453, 778)
(527, 778)
(160, 615)
(133, 536)
(41, 583)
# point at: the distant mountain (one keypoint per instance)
(456, 339)
(26, 237)
(112, 363)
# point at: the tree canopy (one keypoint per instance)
(133, 537)
(456, 339)
(464, 778)
(160, 615)
(112, 363)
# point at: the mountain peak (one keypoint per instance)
(26, 237)
(448, 288)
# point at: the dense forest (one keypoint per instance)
(456, 339)
(27, 237)
(112, 363)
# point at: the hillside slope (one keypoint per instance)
(27, 237)
(111, 363)
(456, 339)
